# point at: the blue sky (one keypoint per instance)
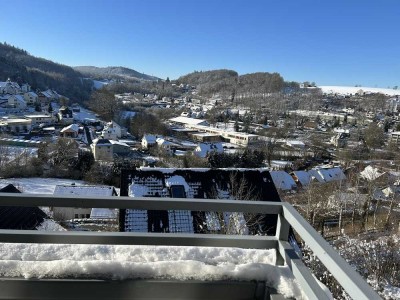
(341, 42)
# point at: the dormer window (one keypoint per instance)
(177, 191)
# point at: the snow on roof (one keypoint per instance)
(146, 262)
(137, 190)
(370, 173)
(189, 121)
(327, 175)
(84, 190)
(283, 180)
(19, 97)
(50, 225)
(303, 177)
(203, 149)
(103, 213)
(295, 143)
(32, 94)
(316, 175)
(177, 180)
(73, 127)
(150, 138)
(119, 143)
(101, 141)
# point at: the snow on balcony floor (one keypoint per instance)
(146, 262)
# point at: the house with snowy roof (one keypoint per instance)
(24, 218)
(302, 178)
(324, 175)
(68, 213)
(31, 97)
(113, 131)
(71, 131)
(283, 181)
(149, 140)
(186, 121)
(65, 115)
(204, 149)
(38, 119)
(102, 149)
(15, 125)
(234, 184)
(17, 101)
(9, 87)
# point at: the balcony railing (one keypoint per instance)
(11, 288)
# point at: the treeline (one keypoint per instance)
(112, 73)
(229, 84)
(42, 74)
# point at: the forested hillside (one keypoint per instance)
(228, 82)
(20, 66)
(113, 73)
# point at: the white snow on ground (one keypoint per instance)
(347, 90)
(146, 262)
(84, 114)
(50, 225)
(99, 84)
(10, 153)
(38, 185)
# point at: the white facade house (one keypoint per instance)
(15, 125)
(9, 87)
(113, 131)
(68, 213)
(102, 149)
(395, 137)
(65, 116)
(149, 140)
(70, 131)
(17, 101)
(31, 97)
(38, 119)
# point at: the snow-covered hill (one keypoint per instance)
(347, 90)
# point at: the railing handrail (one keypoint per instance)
(350, 280)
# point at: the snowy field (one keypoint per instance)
(347, 90)
(146, 262)
(84, 114)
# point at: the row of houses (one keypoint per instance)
(27, 122)
(19, 97)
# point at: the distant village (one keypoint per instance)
(333, 156)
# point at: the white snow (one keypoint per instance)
(304, 177)
(50, 225)
(347, 90)
(370, 173)
(177, 180)
(103, 213)
(84, 114)
(37, 185)
(146, 262)
(283, 180)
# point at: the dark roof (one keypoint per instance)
(10, 189)
(15, 217)
(200, 183)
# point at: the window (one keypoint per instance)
(76, 216)
(178, 191)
